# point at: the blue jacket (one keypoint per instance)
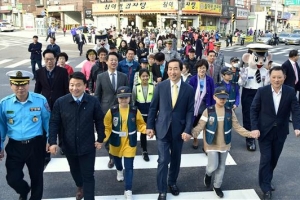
(36, 51)
(210, 87)
(129, 71)
(55, 48)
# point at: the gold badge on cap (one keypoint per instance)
(19, 74)
(10, 121)
(122, 91)
(35, 119)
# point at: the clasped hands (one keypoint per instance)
(53, 148)
(184, 136)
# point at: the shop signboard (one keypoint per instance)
(136, 7)
(210, 8)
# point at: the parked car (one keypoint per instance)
(6, 26)
(293, 39)
(296, 31)
(266, 39)
(283, 36)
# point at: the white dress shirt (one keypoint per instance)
(110, 77)
(276, 98)
(178, 85)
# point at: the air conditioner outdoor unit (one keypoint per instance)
(56, 2)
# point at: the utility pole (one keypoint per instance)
(275, 17)
(181, 5)
(119, 16)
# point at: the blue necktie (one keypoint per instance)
(78, 101)
(162, 69)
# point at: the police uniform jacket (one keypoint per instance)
(23, 121)
(77, 122)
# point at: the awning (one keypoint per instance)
(210, 14)
(5, 11)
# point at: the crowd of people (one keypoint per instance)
(124, 90)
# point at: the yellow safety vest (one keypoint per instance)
(140, 96)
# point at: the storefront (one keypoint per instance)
(241, 19)
(6, 13)
(64, 15)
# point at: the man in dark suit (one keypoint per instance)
(52, 82)
(173, 100)
(35, 50)
(80, 40)
(214, 69)
(292, 70)
(270, 123)
(106, 87)
(159, 69)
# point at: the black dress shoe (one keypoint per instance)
(174, 190)
(146, 156)
(195, 147)
(251, 146)
(267, 195)
(162, 196)
(207, 180)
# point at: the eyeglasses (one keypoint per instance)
(49, 59)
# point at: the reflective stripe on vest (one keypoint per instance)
(140, 95)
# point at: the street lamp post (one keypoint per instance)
(179, 13)
(119, 17)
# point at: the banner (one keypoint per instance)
(227, 11)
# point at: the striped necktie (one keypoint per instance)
(257, 76)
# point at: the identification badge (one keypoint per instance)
(115, 121)
(35, 119)
(250, 77)
(122, 134)
(10, 121)
(211, 120)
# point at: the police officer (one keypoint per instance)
(220, 60)
(169, 52)
(23, 116)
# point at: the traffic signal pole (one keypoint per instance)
(232, 22)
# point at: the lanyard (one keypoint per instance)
(121, 122)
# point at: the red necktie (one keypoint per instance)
(211, 70)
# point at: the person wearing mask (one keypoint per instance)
(106, 87)
(234, 61)
(129, 66)
(23, 117)
(203, 86)
(78, 115)
(35, 49)
(191, 61)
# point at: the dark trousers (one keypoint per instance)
(80, 45)
(144, 137)
(128, 164)
(270, 150)
(31, 154)
(107, 148)
(74, 38)
(33, 63)
(169, 151)
(82, 170)
(246, 100)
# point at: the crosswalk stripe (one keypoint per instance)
(5, 61)
(187, 160)
(81, 64)
(17, 64)
(246, 194)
